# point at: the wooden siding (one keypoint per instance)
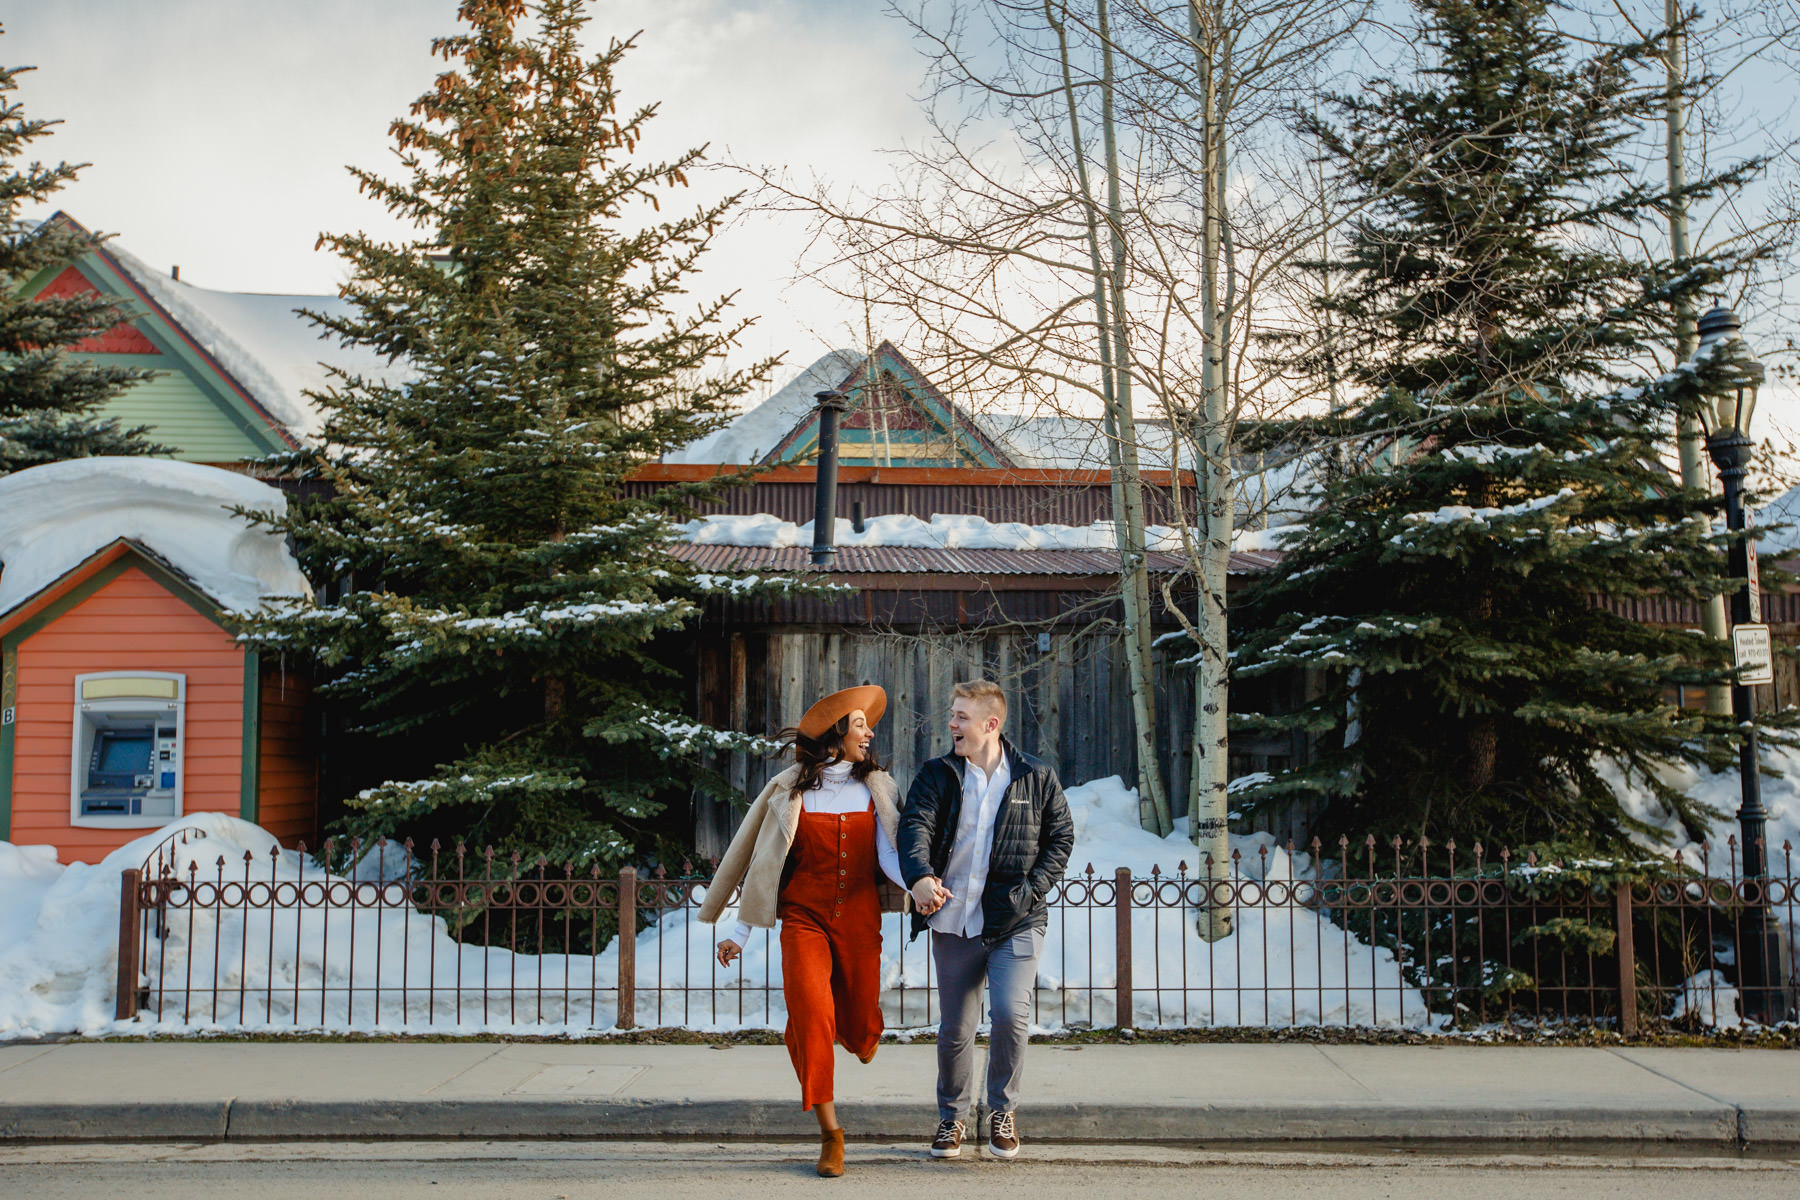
(129, 624)
(123, 338)
(288, 766)
(180, 414)
(1069, 703)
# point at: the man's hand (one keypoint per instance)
(728, 950)
(929, 894)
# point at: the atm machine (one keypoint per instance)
(127, 752)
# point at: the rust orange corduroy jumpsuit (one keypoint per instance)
(830, 946)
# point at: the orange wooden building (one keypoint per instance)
(125, 700)
(220, 730)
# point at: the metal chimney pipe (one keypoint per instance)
(825, 505)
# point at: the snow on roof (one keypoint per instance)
(758, 430)
(262, 341)
(57, 516)
(947, 531)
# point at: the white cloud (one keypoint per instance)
(218, 131)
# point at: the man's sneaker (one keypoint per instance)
(1003, 1135)
(949, 1139)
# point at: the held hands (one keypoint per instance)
(929, 895)
(728, 950)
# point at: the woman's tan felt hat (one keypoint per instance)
(828, 712)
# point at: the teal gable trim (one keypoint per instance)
(973, 447)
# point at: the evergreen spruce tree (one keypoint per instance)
(49, 401)
(500, 593)
(1462, 592)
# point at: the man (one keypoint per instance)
(984, 836)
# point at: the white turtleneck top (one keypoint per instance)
(838, 793)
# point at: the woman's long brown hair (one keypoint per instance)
(815, 754)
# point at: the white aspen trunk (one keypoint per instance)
(1211, 775)
(1128, 517)
(1158, 822)
(1687, 438)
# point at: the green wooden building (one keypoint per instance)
(232, 367)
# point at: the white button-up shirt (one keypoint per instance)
(972, 849)
(838, 794)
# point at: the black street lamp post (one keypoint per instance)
(1762, 979)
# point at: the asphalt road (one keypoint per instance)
(570, 1171)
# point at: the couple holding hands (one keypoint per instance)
(982, 837)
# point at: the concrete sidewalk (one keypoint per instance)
(1182, 1094)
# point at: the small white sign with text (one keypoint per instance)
(1754, 654)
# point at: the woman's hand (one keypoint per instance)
(929, 895)
(728, 950)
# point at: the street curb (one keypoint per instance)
(612, 1119)
(176, 1121)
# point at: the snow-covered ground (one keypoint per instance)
(1706, 996)
(1723, 791)
(292, 964)
(330, 965)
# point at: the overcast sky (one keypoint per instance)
(218, 130)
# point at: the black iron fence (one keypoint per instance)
(1363, 935)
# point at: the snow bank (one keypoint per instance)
(1713, 853)
(949, 531)
(291, 965)
(55, 516)
(59, 929)
(1723, 791)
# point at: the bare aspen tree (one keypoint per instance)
(987, 251)
(1687, 338)
(1208, 793)
(1118, 420)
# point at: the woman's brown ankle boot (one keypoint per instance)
(831, 1153)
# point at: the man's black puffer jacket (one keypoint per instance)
(1033, 835)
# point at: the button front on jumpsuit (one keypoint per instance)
(830, 947)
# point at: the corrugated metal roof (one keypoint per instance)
(889, 560)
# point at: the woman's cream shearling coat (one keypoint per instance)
(759, 851)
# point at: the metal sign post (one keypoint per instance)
(1754, 584)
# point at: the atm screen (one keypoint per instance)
(127, 755)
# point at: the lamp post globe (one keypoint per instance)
(1725, 418)
(1730, 411)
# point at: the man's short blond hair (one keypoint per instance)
(984, 691)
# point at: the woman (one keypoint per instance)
(810, 853)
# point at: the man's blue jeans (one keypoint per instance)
(1010, 971)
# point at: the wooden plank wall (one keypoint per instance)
(1069, 701)
(287, 758)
